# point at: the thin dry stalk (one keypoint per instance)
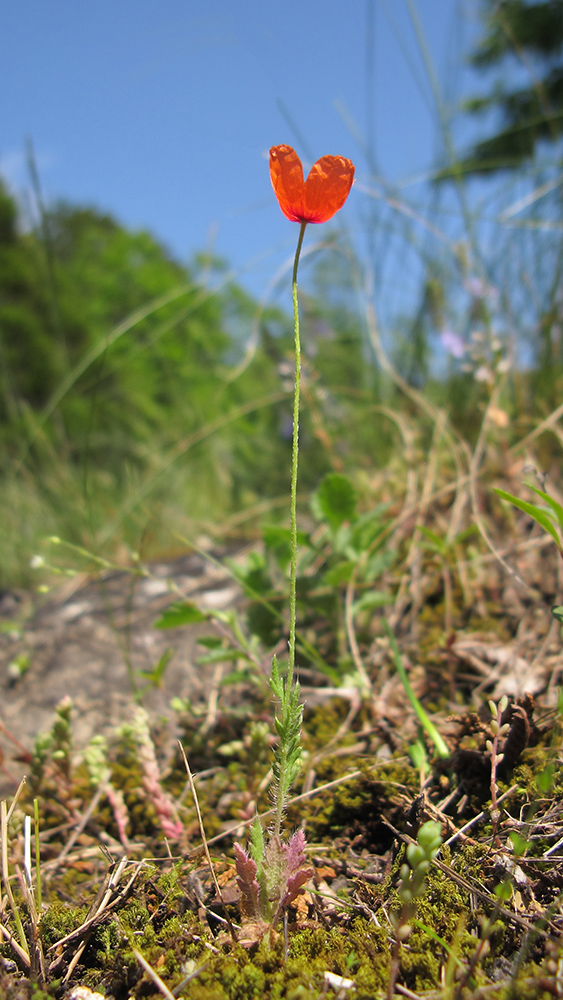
(492, 901)
(409, 442)
(427, 488)
(22, 955)
(112, 883)
(351, 634)
(436, 415)
(24, 751)
(15, 799)
(373, 331)
(204, 843)
(213, 700)
(473, 475)
(476, 819)
(6, 876)
(193, 975)
(81, 824)
(35, 948)
(39, 898)
(412, 579)
(296, 798)
(162, 987)
(544, 425)
(406, 992)
(99, 908)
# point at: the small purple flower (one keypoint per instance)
(480, 289)
(476, 287)
(452, 343)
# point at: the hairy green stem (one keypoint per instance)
(294, 467)
(288, 754)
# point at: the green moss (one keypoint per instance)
(348, 821)
(312, 952)
(323, 722)
(58, 920)
(355, 808)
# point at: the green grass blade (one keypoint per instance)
(540, 516)
(425, 722)
(556, 507)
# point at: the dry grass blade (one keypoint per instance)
(81, 824)
(193, 975)
(114, 879)
(204, 842)
(6, 876)
(103, 902)
(15, 799)
(22, 955)
(35, 947)
(106, 901)
(153, 975)
(473, 473)
(477, 819)
(404, 992)
(231, 831)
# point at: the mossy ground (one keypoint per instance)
(487, 924)
(340, 925)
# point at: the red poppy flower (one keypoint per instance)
(320, 196)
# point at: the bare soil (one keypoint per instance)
(83, 641)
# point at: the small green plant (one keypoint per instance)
(139, 732)
(51, 763)
(270, 876)
(412, 877)
(498, 731)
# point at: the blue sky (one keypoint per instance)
(162, 112)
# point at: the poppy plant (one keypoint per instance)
(319, 197)
(313, 200)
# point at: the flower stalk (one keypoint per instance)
(273, 872)
(294, 463)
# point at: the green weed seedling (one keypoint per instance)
(232, 646)
(271, 875)
(412, 878)
(498, 731)
(51, 762)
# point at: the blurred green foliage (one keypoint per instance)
(529, 33)
(128, 412)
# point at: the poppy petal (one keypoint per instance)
(286, 174)
(327, 187)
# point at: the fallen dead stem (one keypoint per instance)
(153, 975)
(108, 899)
